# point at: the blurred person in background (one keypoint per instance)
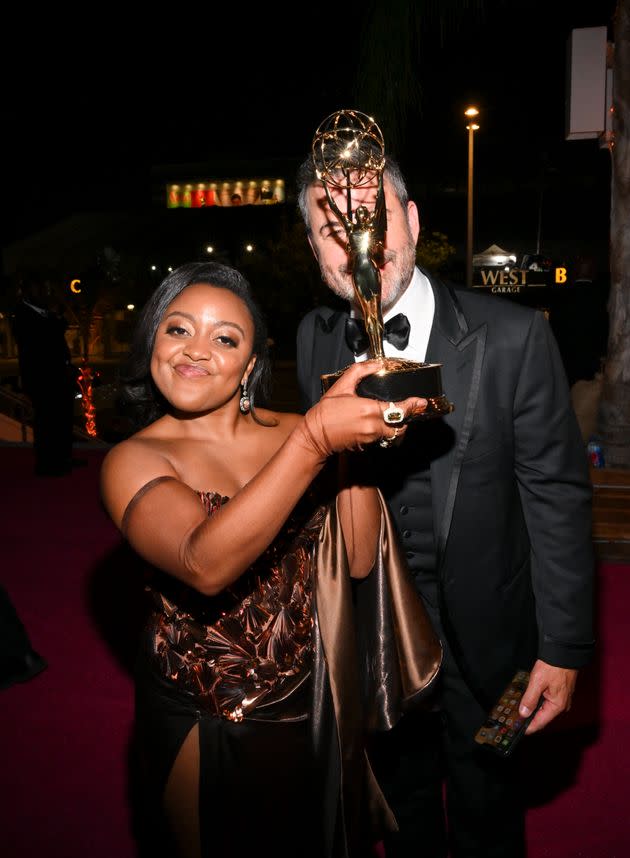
(47, 375)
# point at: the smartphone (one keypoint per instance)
(504, 727)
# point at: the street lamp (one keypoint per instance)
(470, 112)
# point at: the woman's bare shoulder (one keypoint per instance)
(131, 448)
(129, 466)
(283, 421)
(147, 443)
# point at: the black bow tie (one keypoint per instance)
(395, 331)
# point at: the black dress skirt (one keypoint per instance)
(237, 665)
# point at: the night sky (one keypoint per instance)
(95, 103)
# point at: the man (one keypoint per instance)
(47, 376)
(492, 503)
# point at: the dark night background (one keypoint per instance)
(93, 105)
(103, 109)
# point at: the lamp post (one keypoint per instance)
(470, 112)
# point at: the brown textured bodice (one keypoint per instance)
(250, 647)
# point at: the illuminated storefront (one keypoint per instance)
(225, 193)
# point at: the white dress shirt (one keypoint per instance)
(417, 302)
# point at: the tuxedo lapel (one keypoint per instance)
(460, 352)
(330, 350)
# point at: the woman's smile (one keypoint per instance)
(191, 370)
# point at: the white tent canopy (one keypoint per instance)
(493, 255)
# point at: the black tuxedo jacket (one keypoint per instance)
(511, 493)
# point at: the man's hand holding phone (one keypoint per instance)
(555, 685)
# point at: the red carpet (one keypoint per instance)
(66, 734)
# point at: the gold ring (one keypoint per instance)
(393, 415)
(387, 442)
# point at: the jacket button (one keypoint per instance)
(404, 510)
(410, 554)
(406, 534)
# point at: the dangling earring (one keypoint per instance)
(245, 403)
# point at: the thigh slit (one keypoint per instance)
(181, 796)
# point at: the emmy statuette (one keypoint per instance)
(349, 154)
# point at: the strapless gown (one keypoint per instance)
(283, 673)
(238, 665)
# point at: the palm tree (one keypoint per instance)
(614, 413)
(387, 80)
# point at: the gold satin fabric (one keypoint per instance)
(381, 655)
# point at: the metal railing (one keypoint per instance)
(18, 407)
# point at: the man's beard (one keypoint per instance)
(399, 271)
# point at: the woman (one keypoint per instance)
(220, 496)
